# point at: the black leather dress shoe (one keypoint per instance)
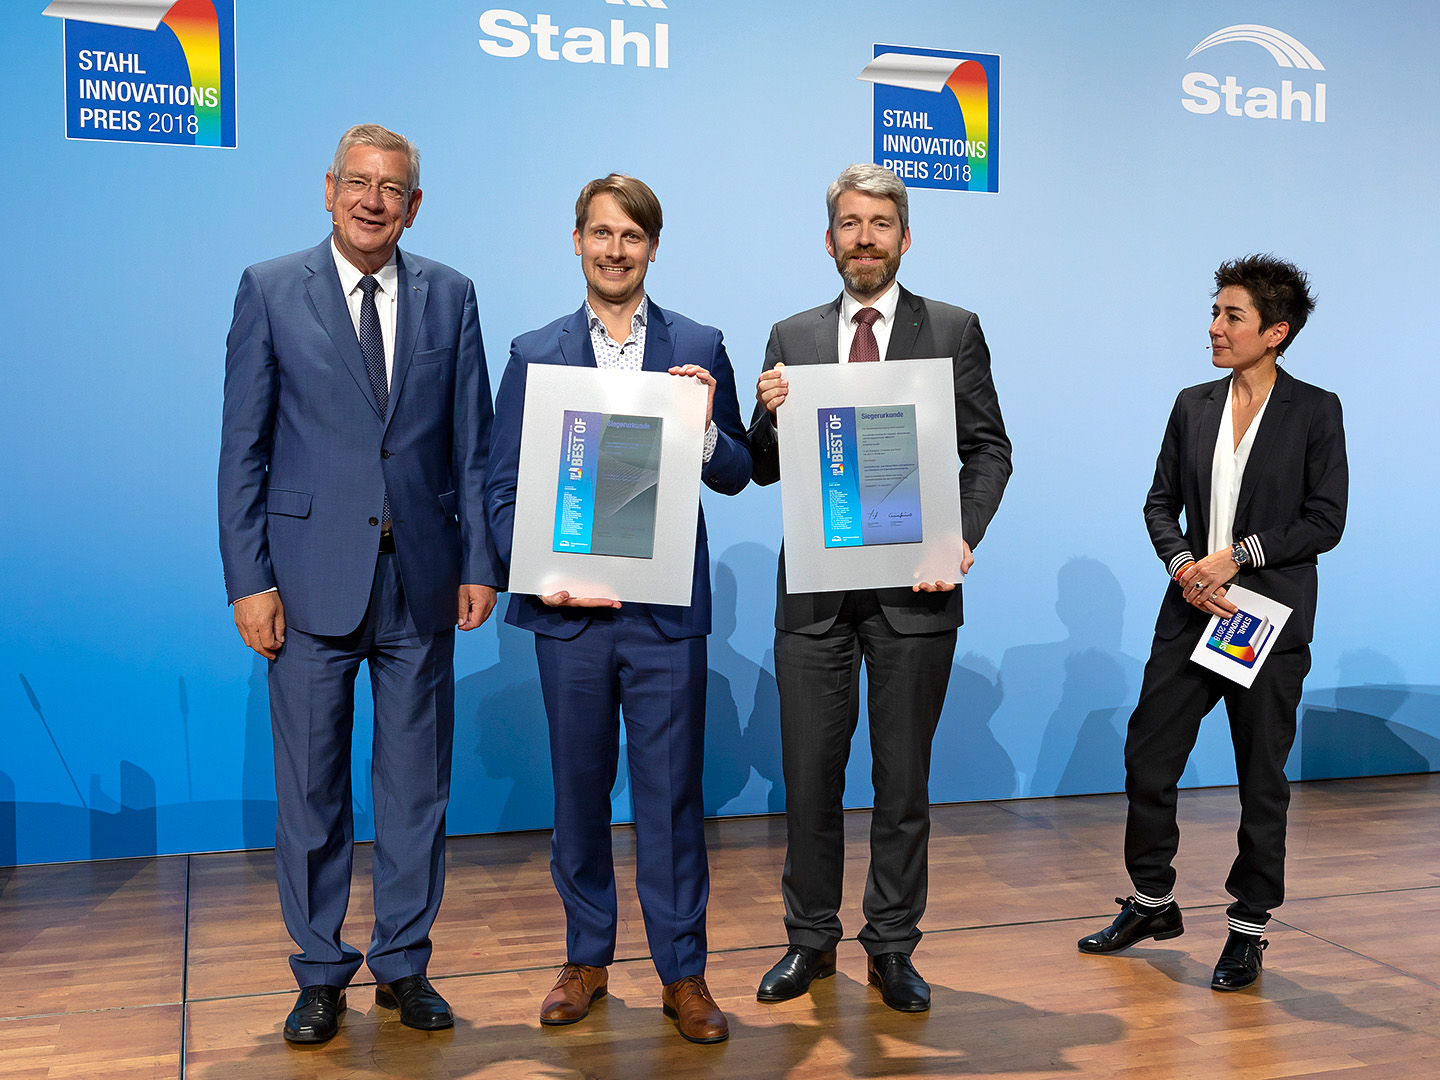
(316, 1015)
(420, 1006)
(1239, 964)
(792, 976)
(901, 986)
(1132, 925)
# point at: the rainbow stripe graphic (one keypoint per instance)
(1244, 653)
(971, 88)
(1242, 637)
(197, 29)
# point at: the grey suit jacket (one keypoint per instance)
(922, 328)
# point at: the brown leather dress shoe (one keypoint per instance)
(689, 1004)
(577, 986)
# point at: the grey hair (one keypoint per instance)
(382, 138)
(871, 180)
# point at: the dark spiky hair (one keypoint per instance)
(1279, 290)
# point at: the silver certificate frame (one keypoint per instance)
(929, 386)
(666, 576)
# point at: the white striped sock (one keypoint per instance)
(1141, 900)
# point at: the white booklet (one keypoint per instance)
(1237, 647)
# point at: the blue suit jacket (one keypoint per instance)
(306, 458)
(670, 340)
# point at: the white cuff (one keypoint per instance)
(1178, 561)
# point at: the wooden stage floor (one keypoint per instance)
(175, 967)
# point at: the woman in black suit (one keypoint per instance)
(1256, 463)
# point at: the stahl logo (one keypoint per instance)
(1203, 92)
(510, 34)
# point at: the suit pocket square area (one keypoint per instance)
(434, 356)
(287, 502)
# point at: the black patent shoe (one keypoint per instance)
(901, 986)
(793, 975)
(316, 1015)
(1239, 964)
(420, 1006)
(1132, 925)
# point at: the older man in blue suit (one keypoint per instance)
(598, 658)
(352, 528)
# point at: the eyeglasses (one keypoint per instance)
(357, 186)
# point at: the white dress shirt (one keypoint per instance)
(1227, 470)
(629, 355)
(386, 304)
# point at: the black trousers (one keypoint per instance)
(819, 682)
(1175, 696)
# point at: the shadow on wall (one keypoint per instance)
(967, 761)
(257, 763)
(742, 761)
(501, 780)
(127, 828)
(501, 777)
(1372, 724)
(1066, 703)
(9, 850)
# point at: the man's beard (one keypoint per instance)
(868, 280)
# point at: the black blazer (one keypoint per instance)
(1292, 497)
(922, 328)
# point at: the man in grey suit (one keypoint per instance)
(906, 637)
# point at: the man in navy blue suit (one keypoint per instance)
(598, 658)
(352, 528)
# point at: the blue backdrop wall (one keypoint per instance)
(136, 722)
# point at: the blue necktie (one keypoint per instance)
(372, 348)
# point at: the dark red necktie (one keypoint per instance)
(864, 348)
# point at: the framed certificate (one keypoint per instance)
(869, 475)
(608, 490)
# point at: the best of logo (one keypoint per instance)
(149, 71)
(1203, 91)
(937, 116)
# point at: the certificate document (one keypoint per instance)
(1237, 647)
(869, 475)
(609, 480)
(608, 490)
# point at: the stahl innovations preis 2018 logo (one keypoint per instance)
(1204, 92)
(149, 71)
(510, 34)
(937, 116)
